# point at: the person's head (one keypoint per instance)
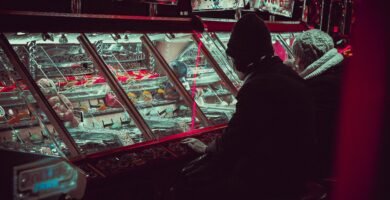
(47, 86)
(179, 68)
(309, 46)
(249, 42)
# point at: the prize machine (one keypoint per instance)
(114, 95)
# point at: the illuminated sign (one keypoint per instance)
(43, 179)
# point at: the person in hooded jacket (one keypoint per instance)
(264, 153)
(319, 63)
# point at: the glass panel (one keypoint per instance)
(218, 50)
(145, 83)
(76, 90)
(286, 40)
(23, 126)
(202, 5)
(282, 43)
(201, 80)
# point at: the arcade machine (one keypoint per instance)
(218, 30)
(115, 95)
(270, 10)
(37, 176)
(109, 100)
(33, 163)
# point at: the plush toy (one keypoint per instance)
(180, 70)
(111, 100)
(60, 103)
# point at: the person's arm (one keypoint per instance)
(231, 137)
(246, 124)
(246, 127)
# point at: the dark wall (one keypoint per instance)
(363, 153)
(124, 7)
(37, 5)
(118, 7)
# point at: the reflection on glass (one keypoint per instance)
(218, 50)
(216, 4)
(282, 43)
(23, 126)
(146, 84)
(286, 40)
(203, 83)
(77, 91)
(276, 7)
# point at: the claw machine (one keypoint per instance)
(120, 92)
(115, 95)
(34, 153)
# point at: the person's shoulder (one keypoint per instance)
(285, 75)
(280, 70)
(279, 77)
(331, 77)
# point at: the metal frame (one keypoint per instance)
(347, 19)
(303, 11)
(161, 142)
(215, 65)
(285, 45)
(172, 77)
(115, 86)
(214, 35)
(222, 49)
(40, 97)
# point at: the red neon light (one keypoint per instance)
(193, 89)
(363, 104)
(148, 144)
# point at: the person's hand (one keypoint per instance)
(290, 63)
(195, 144)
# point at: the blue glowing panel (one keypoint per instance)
(44, 179)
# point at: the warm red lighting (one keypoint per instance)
(193, 89)
(160, 141)
(362, 109)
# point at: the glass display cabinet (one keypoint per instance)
(23, 125)
(218, 33)
(211, 90)
(103, 89)
(115, 93)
